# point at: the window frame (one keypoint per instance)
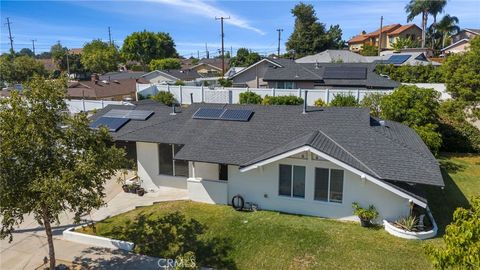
(329, 191)
(292, 174)
(174, 162)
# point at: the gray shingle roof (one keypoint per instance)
(292, 71)
(392, 152)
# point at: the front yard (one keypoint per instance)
(272, 240)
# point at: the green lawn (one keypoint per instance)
(272, 240)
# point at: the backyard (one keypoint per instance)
(272, 240)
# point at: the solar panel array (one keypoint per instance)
(398, 59)
(223, 114)
(113, 124)
(345, 73)
(130, 114)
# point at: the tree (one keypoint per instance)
(424, 7)
(372, 101)
(26, 52)
(417, 108)
(447, 26)
(335, 37)
(145, 46)
(59, 56)
(19, 69)
(402, 43)
(369, 50)
(309, 36)
(164, 97)
(461, 249)
(344, 101)
(165, 64)
(244, 58)
(462, 74)
(100, 57)
(52, 162)
(225, 82)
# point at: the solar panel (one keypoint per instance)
(113, 124)
(208, 113)
(130, 114)
(236, 115)
(345, 73)
(398, 59)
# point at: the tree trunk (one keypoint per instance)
(51, 249)
(424, 26)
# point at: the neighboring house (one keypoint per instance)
(122, 75)
(344, 56)
(252, 76)
(171, 76)
(309, 161)
(461, 41)
(287, 74)
(390, 34)
(97, 89)
(211, 67)
(232, 71)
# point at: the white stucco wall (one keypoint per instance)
(261, 186)
(204, 170)
(207, 191)
(147, 163)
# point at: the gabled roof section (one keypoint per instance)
(385, 29)
(402, 29)
(273, 62)
(465, 40)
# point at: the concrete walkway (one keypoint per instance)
(29, 245)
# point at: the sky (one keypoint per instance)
(192, 23)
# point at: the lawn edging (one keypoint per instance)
(391, 229)
(98, 241)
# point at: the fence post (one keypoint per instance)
(168, 88)
(203, 94)
(273, 92)
(299, 92)
(358, 95)
(181, 95)
(327, 96)
(230, 97)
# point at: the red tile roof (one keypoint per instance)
(385, 29)
(401, 29)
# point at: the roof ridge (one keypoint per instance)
(346, 151)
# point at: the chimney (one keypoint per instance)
(305, 103)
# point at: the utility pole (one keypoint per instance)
(223, 35)
(68, 64)
(279, 38)
(206, 51)
(33, 46)
(380, 36)
(198, 54)
(109, 36)
(10, 35)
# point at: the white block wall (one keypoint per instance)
(207, 191)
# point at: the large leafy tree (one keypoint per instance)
(59, 55)
(424, 8)
(145, 46)
(462, 74)
(461, 239)
(52, 162)
(26, 52)
(100, 57)
(417, 108)
(19, 69)
(165, 64)
(309, 36)
(447, 26)
(244, 58)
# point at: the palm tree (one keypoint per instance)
(424, 7)
(448, 25)
(436, 7)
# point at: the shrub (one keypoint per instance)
(320, 103)
(282, 100)
(179, 82)
(225, 82)
(372, 101)
(409, 223)
(343, 101)
(250, 98)
(164, 97)
(165, 64)
(412, 74)
(461, 239)
(369, 213)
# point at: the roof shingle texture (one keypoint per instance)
(393, 152)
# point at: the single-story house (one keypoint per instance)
(207, 67)
(413, 58)
(252, 76)
(121, 75)
(171, 76)
(302, 160)
(96, 89)
(461, 41)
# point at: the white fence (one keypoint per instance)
(78, 105)
(184, 94)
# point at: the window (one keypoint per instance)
(328, 185)
(285, 85)
(391, 40)
(291, 181)
(167, 165)
(223, 172)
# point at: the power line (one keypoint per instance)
(10, 35)
(279, 38)
(223, 35)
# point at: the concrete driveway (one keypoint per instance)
(29, 245)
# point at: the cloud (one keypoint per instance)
(209, 11)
